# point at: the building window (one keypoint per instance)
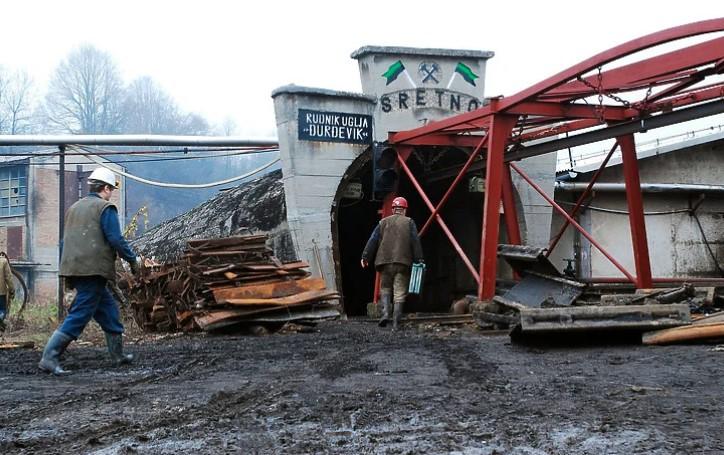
(13, 190)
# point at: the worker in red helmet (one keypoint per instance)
(395, 245)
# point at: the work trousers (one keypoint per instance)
(3, 306)
(93, 301)
(394, 280)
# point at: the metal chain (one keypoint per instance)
(601, 93)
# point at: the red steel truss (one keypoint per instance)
(597, 99)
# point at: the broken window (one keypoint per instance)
(13, 190)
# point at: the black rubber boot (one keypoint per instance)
(115, 349)
(56, 345)
(396, 317)
(385, 302)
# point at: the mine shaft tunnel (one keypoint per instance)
(447, 278)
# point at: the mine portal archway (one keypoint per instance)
(355, 217)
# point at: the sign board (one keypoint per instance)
(334, 127)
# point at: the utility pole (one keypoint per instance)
(61, 221)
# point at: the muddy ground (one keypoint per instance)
(351, 387)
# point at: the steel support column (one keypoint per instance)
(636, 211)
(500, 127)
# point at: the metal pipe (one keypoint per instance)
(135, 139)
(645, 187)
(61, 226)
(660, 280)
(439, 219)
(580, 229)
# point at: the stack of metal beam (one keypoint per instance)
(226, 282)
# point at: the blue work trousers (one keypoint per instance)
(3, 306)
(93, 300)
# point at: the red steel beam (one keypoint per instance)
(636, 211)
(453, 185)
(500, 129)
(573, 222)
(569, 110)
(646, 72)
(582, 198)
(439, 219)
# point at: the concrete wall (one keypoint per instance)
(312, 170)
(676, 245)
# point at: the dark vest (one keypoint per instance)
(86, 252)
(395, 242)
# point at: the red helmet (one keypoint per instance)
(399, 202)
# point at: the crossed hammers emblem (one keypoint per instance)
(429, 71)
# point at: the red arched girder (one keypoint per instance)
(594, 100)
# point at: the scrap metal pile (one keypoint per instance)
(224, 282)
(545, 302)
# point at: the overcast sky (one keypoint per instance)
(224, 58)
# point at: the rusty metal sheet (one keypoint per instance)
(302, 297)
(269, 290)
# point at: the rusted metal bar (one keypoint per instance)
(636, 211)
(582, 198)
(453, 185)
(439, 219)
(573, 222)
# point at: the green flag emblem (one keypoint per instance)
(393, 71)
(467, 74)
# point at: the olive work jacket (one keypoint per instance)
(394, 241)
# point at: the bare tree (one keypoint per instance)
(17, 103)
(86, 94)
(149, 109)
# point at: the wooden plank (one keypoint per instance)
(269, 291)
(302, 297)
(694, 332)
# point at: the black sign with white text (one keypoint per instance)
(335, 127)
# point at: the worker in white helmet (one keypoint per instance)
(91, 241)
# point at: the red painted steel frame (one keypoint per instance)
(453, 185)
(582, 198)
(580, 229)
(401, 160)
(632, 92)
(500, 128)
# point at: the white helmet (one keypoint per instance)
(104, 175)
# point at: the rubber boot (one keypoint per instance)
(396, 317)
(56, 345)
(115, 349)
(385, 302)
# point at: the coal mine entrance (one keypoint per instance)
(447, 277)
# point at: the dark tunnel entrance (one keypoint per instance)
(356, 214)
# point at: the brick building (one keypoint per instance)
(29, 202)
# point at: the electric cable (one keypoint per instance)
(706, 243)
(182, 185)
